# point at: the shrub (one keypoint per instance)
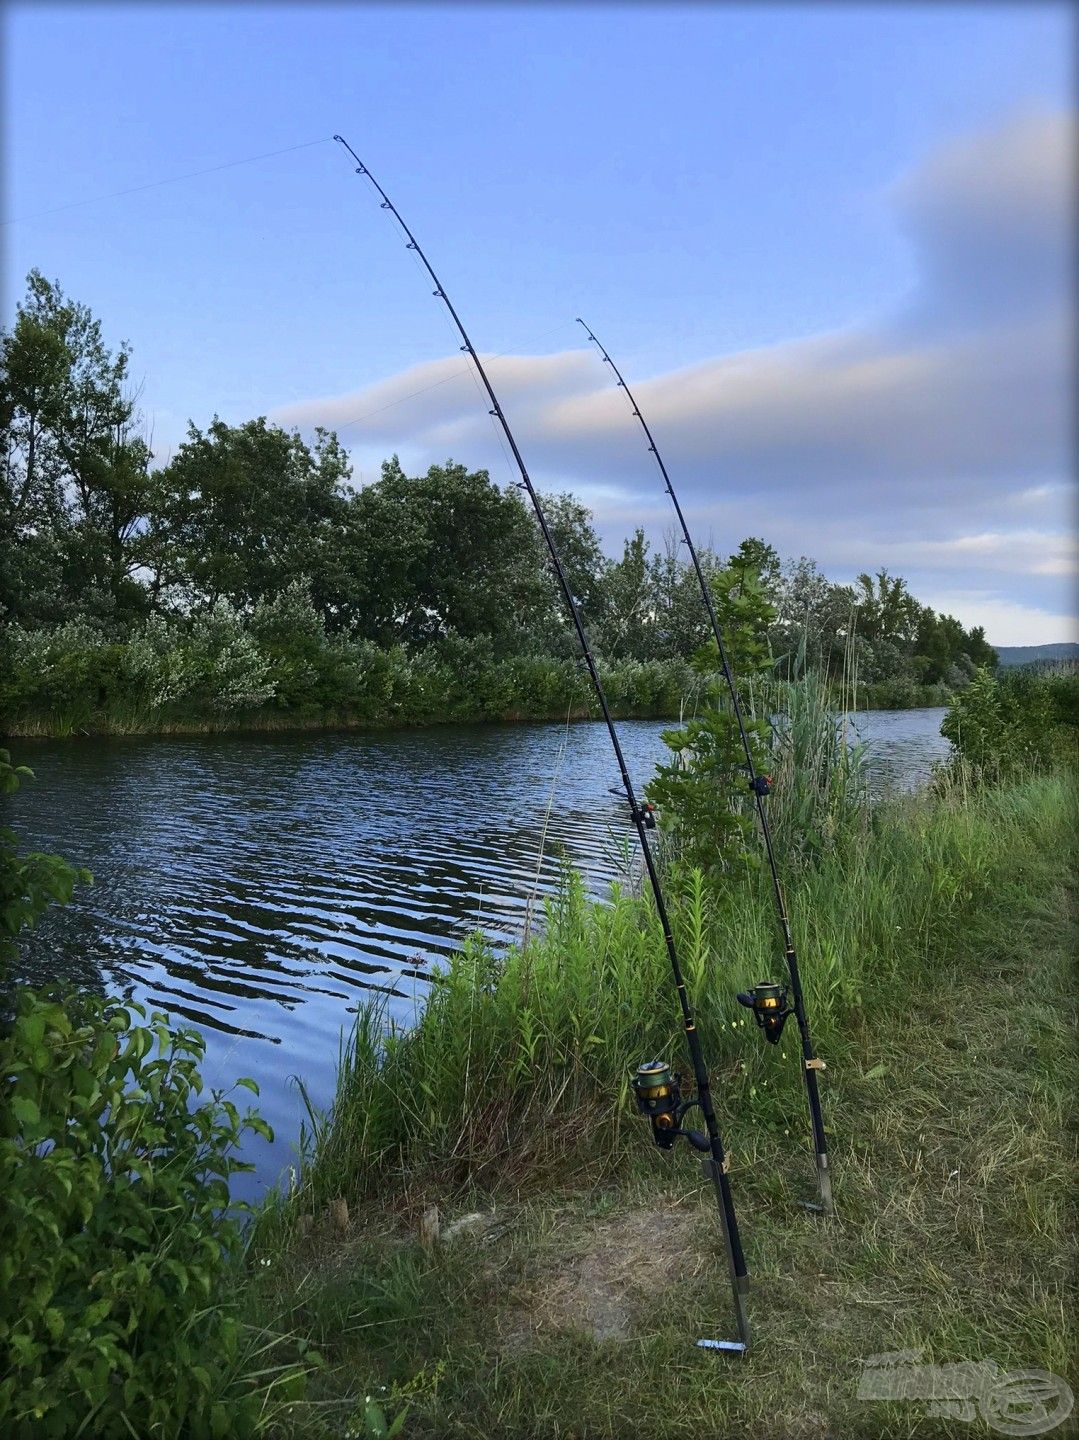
(28, 882)
(1019, 721)
(117, 1237)
(53, 673)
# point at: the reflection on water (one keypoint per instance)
(262, 886)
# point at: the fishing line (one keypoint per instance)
(658, 1095)
(170, 180)
(768, 1002)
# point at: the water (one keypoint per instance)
(261, 887)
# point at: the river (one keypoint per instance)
(261, 887)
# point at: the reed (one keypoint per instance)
(519, 1061)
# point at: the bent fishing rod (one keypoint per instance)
(767, 1001)
(656, 1087)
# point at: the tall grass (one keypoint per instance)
(520, 1061)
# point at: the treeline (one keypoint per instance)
(246, 577)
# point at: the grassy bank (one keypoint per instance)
(220, 673)
(936, 947)
(226, 684)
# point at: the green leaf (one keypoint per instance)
(26, 1112)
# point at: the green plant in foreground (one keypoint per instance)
(30, 882)
(118, 1240)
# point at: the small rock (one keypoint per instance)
(475, 1224)
(430, 1227)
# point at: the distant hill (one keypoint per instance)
(1026, 654)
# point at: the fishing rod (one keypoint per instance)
(767, 1001)
(656, 1087)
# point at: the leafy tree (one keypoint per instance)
(762, 560)
(246, 510)
(814, 618)
(681, 626)
(584, 563)
(629, 619)
(75, 475)
(447, 551)
(886, 608)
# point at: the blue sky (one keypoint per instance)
(826, 245)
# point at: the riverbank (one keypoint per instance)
(936, 947)
(662, 701)
(219, 677)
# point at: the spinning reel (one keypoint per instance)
(770, 1009)
(659, 1096)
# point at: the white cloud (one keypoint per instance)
(913, 440)
(1006, 622)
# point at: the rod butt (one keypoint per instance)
(824, 1180)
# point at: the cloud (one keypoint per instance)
(1006, 622)
(915, 439)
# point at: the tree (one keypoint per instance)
(681, 619)
(629, 605)
(703, 791)
(75, 473)
(448, 551)
(585, 566)
(757, 556)
(886, 608)
(245, 511)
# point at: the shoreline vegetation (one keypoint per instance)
(249, 583)
(481, 1240)
(432, 690)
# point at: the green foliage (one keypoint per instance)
(702, 795)
(30, 882)
(117, 1237)
(244, 511)
(75, 482)
(1016, 722)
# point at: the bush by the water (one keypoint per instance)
(118, 1241)
(278, 666)
(119, 1246)
(1016, 722)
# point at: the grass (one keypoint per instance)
(935, 948)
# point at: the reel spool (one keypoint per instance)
(658, 1091)
(770, 1009)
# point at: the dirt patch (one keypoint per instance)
(600, 1274)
